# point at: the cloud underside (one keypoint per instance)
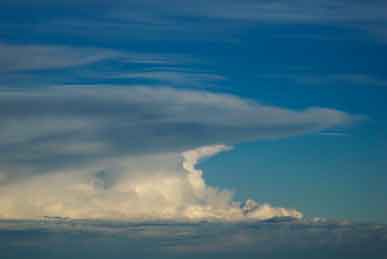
(132, 153)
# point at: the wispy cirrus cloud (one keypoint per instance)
(202, 20)
(37, 57)
(298, 11)
(245, 9)
(21, 57)
(173, 77)
(354, 79)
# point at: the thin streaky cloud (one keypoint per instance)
(328, 79)
(19, 57)
(179, 78)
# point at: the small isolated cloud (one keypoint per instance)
(253, 210)
(131, 153)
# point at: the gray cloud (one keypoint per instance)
(99, 239)
(35, 57)
(14, 58)
(55, 127)
(174, 77)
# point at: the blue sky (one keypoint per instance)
(206, 65)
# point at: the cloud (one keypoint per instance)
(280, 10)
(329, 79)
(298, 11)
(99, 239)
(16, 58)
(193, 20)
(36, 57)
(253, 210)
(152, 187)
(43, 128)
(360, 16)
(190, 19)
(132, 152)
(174, 77)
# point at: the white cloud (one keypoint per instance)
(155, 187)
(254, 210)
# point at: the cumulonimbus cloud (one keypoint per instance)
(116, 152)
(152, 187)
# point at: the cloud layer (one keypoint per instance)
(51, 128)
(106, 239)
(131, 153)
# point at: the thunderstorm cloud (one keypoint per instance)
(132, 152)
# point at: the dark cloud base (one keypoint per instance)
(106, 239)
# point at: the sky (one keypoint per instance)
(193, 129)
(226, 111)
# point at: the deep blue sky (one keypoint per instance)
(292, 55)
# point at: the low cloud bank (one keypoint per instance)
(118, 239)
